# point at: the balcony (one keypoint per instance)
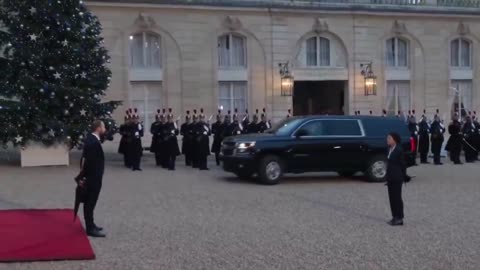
(470, 7)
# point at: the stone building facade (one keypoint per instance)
(189, 55)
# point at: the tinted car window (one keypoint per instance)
(342, 128)
(286, 126)
(314, 128)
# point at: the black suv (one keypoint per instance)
(343, 144)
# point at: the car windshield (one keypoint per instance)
(285, 127)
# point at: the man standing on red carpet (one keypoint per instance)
(93, 168)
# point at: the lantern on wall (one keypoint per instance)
(370, 79)
(287, 79)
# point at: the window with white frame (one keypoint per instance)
(145, 51)
(146, 97)
(398, 97)
(460, 53)
(232, 51)
(460, 95)
(233, 95)
(318, 52)
(397, 52)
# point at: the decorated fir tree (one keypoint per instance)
(54, 72)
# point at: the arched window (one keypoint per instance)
(145, 51)
(397, 52)
(318, 52)
(232, 51)
(460, 53)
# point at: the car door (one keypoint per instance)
(347, 145)
(310, 151)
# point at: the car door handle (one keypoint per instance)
(337, 147)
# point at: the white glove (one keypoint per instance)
(137, 134)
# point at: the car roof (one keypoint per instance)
(359, 117)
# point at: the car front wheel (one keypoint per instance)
(270, 170)
(377, 169)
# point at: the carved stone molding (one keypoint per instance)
(232, 23)
(144, 22)
(399, 27)
(463, 29)
(320, 26)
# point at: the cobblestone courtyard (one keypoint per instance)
(189, 219)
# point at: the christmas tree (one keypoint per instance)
(54, 72)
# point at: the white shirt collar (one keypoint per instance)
(391, 150)
(94, 134)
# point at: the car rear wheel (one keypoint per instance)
(346, 173)
(270, 170)
(377, 169)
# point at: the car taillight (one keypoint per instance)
(413, 146)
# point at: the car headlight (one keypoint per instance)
(245, 145)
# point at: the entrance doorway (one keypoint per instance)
(319, 97)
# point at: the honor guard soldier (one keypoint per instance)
(171, 143)
(413, 128)
(263, 125)
(218, 132)
(236, 126)
(156, 131)
(289, 114)
(135, 149)
(384, 113)
(195, 139)
(477, 134)
(122, 148)
(186, 130)
(423, 139)
(245, 122)
(454, 144)
(202, 136)
(228, 126)
(253, 127)
(437, 130)
(468, 131)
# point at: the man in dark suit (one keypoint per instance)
(93, 168)
(396, 176)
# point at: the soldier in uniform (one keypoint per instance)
(253, 127)
(289, 114)
(186, 131)
(171, 143)
(468, 131)
(413, 128)
(202, 135)
(157, 139)
(235, 126)
(218, 132)
(477, 134)
(437, 129)
(454, 144)
(122, 148)
(424, 139)
(227, 125)
(195, 139)
(264, 124)
(135, 149)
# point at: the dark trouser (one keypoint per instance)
(202, 162)
(126, 161)
(455, 155)
(136, 158)
(470, 154)
(93, 192)
(188, 159)
(423, 157)
(217, 158)
(171, 162)
(436, 149)
(158, 158)
(195, 160)
(395, 197)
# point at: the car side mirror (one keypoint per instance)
(301, 133)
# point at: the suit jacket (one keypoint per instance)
(94, 160)
(396, 169)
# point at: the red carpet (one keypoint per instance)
(42, 235)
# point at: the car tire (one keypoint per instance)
(346, 173)
(377, 169)
(270, 170)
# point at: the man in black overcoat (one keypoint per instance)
(424, 140)
(157, 139)
(202, 135)
(124, 141)
(469, 131)
(171, 144)
(93, 169)
(195, 139)
(253, 127)
(454, 144)
(477, 134)
(186, 130)
(135, 148)
(217, 131)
